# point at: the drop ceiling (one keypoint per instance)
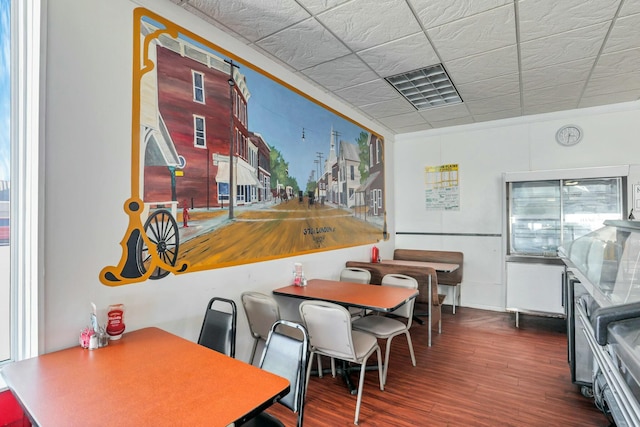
(506, 58)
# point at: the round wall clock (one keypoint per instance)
(569, 135)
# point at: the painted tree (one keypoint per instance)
(280, 171)
(363, 149)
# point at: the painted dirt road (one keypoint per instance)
(272, 232)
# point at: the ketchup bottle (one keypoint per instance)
(115, 321)
(375, 255)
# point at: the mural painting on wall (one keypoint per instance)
(232, 166)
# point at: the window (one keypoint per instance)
(546, 214)
(198, 87)
(199, 131)
(24, 71)
(223, 192)
(352, 172)
(5, 158)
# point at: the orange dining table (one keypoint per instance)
(149, 377)
(372, 297)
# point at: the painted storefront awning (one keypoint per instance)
(243, 175)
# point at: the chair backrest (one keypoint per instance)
(218, 330)
(355, 274)
(262, 311)
(329, 327)
(402, 281)
(286, 356)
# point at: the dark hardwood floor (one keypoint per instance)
(481, 371)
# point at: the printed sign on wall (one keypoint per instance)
(442, 190)
(232, 166)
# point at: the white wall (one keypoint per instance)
(88, 179)
(483, 152)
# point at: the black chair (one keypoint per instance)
(219, 328)
(287, 357)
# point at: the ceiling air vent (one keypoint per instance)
(425, 88)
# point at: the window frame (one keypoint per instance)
(198, 89)
(196, 136)
(27, 70)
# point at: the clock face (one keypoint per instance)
(569, 135)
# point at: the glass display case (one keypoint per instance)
(603, 323)
(543, 215)
(607, 262)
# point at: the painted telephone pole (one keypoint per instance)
(232, 83)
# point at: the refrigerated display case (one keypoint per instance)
(603, 324)
(543, 215)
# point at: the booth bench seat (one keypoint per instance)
(453, 278)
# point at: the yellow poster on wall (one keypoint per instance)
(442, 188)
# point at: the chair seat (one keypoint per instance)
(363, 343)
(380, 326)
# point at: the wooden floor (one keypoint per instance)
(481, 371)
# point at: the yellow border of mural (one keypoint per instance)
(128, 268)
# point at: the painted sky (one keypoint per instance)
(280, 115)
(5, 97)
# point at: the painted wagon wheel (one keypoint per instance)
(161, 228)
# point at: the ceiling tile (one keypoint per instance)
(564, 47)
(549, 108)
(433, 13)
(628, 82)
(402, 120)
(318, 6)
(361, 30)
(497, 86)
(476, 34)
(568, 72)
(552, 94)
(369, 93)
(617, 63)
(484, 66)
(625, 35)
(611, 98)
(542, 18)
(388, 108)
(492, 105)
(568, 53)
(448, 112)
(252, 19)
(412, 128)
(498, 115)
(630, 7)
(452, 122)
(304, 45)
(340, 73)
(399, 56)
(215, 23)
